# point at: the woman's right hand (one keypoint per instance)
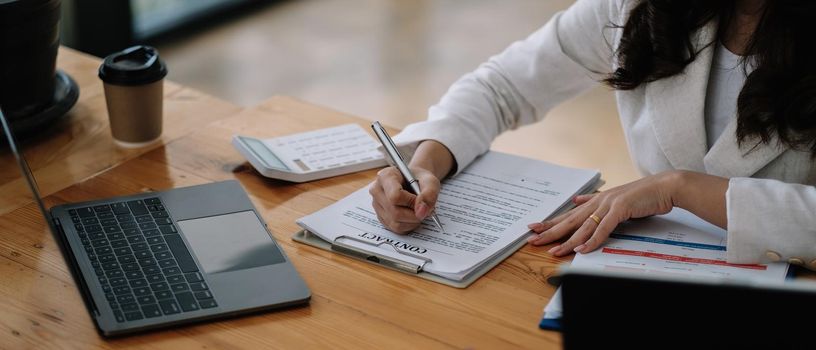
(400, 210)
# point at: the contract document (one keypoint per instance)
(676, 244)
(484, 210)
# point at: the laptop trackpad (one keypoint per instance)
(230, 242)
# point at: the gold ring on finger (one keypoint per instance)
(595, 218)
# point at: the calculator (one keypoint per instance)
(312, 155)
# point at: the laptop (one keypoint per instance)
(160, 259)
(619, 310)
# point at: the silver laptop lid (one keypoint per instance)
(24, 168)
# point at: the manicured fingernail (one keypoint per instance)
(580, 248)
(553, 249)
(534, 226)
(575, 199)
(422, 210)
(532, 238)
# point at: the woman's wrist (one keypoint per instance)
(677, 182)
(699, 193)
(433, 156)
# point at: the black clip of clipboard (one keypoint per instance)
(381, 259)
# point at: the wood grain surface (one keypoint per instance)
(80, 144)
(354, 304)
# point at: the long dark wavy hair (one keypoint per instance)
(779, 96)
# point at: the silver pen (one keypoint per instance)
(396, 157)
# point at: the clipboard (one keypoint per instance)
(309, 238)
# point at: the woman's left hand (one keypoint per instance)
(596, 215)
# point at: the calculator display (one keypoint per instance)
(263, 153)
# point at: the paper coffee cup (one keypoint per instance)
(133, 82)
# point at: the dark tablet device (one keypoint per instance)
(617, 310)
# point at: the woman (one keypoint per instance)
(718, 105)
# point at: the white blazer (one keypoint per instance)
(771, 200)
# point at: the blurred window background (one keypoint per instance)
(152, 17)
(387, 60)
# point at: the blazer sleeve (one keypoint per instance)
(518, 86)
(770, 219)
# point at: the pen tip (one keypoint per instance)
(438, 223)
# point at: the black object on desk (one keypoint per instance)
(628, 311)
(65, 96)
(32, 92)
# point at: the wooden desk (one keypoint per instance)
(80, 145)
(354, 304)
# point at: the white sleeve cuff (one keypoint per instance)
(447, 131)
(769, 215)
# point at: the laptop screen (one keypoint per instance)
(59, 238)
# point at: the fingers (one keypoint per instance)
(391, 182)
(583, 198)
(581, 235)
(397, 219)
(578, 225)
(429, 192)
(591, 223)
(393, 205)
(578, 200)
(602, 232)
(563, 225)
(539, 227)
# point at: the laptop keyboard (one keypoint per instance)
(140, 259)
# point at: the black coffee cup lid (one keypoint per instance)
(135, 65)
